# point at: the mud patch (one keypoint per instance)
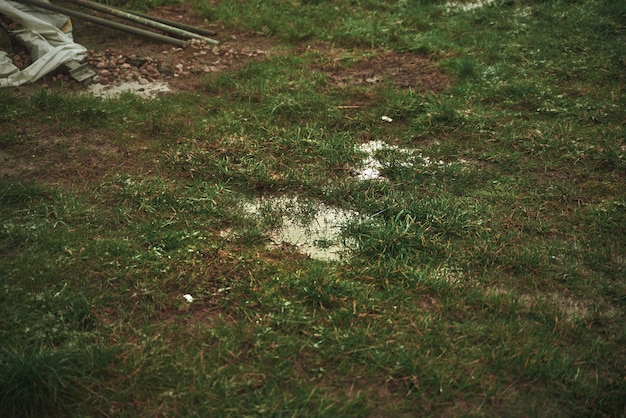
(10, 165)
(568, 307)
(118, 56)
(192, 317)
(401, 70)
(76, 158)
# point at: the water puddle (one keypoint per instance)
(313, 228)
(147, 91)
(371, 166)
(466, 7)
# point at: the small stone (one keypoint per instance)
(137, 62)
(142, 81)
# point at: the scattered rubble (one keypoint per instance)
(119, 66)
(147, 75)
(20, 59)
(111, 65)
(147, 62)
(163, 68)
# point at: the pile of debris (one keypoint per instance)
(113, 66)
(20, 59)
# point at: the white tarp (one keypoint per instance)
(48, 45)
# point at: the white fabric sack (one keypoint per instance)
(49, 46)
(6, 65)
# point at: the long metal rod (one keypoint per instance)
(108, 23)
(193, 29)
(142, 20)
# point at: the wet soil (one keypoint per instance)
(401, 70)
(118, 56)
(72, 158)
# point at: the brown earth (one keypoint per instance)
(110, 49)
(74, 157)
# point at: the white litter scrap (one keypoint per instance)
(188, 297)
(48, 38)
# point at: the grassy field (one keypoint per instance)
(485, 273)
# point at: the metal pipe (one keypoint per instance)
(104, 22)
(142, 20)
(194, 29)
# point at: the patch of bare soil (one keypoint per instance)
(74, 158)
(119, 57)
(401, 70)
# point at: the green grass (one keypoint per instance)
(485, 276)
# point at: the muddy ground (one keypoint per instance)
(117, 57)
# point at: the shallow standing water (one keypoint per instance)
(312, 227)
